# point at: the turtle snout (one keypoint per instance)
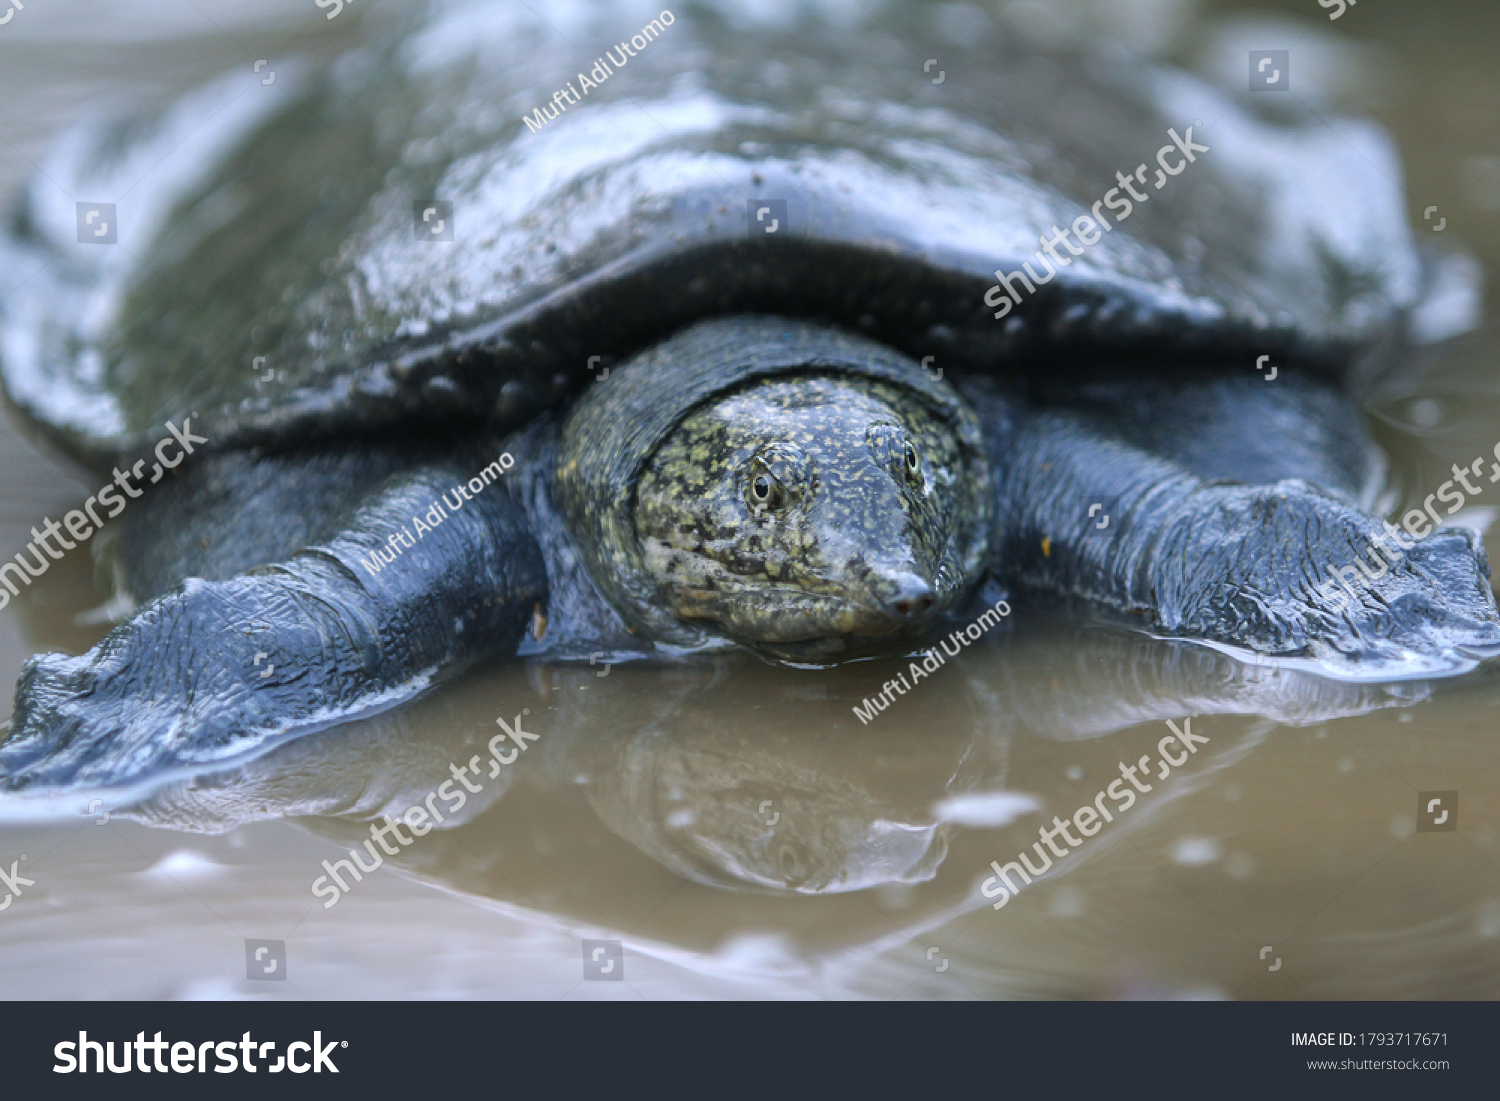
(904, 597)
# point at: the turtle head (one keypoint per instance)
(806, 515)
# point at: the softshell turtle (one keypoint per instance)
(756, 334)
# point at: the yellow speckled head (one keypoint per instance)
(804, 511)
(785, 485)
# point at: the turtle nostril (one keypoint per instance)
(912, 606)
(913, 598)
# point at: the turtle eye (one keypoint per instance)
(895, 453)
(776, 478)
(913, 465)
(765, 492)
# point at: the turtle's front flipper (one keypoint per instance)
(213, 668)
(1285, 568)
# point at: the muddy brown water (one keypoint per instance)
(734, 827)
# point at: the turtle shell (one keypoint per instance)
(275, 277)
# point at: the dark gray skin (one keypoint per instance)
(401, 369)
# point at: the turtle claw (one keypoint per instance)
(40, 692)
(182, 685)
(1291, 572)
(1430, 613)
(149, 697)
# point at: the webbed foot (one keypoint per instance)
(1289, 571)
(199, 675)
(214, 669)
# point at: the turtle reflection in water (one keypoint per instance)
(765, 462)
(800, 801)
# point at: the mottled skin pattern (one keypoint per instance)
(804, 511)
(748, 480)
